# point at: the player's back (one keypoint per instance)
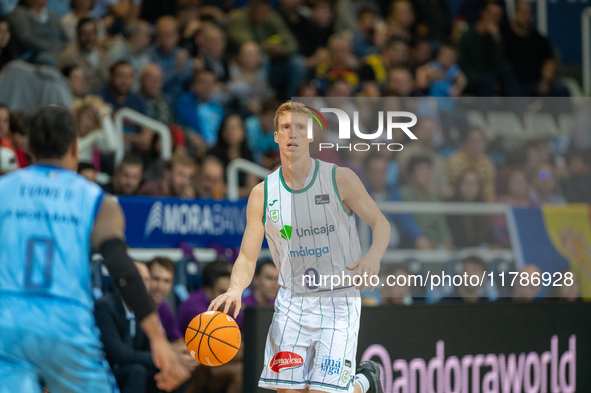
(46, 218)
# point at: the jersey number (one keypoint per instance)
(39, 258)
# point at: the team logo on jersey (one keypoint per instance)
(331, 366)
(345, 376)
(286, 232)
(274, 215)
(285, 360)
(322, 199)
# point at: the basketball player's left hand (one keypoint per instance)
(366, 267)
(172, 373)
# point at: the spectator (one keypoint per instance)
(261, 128)
(397, 288)
(442, 77)
(527, 293)
(363, 39)
(257, 22)
(543, 187)
(177, 180)
(212, 47)
(7, 6)
(469, 230)
(18, 136)
(37, 32)
(210, 183)
(265, 285)
(434, 17)
(376, 66)
(80, 10)
(516, 190)
(76, 81)
(405, 230)
(401, 20)
(346, 13)
(162, 279)
(400, 83)
(248, 78)
(127, 179)
(96, 131)
(154, 9)
(5, 127)
(86, 54)
(466, 292)
(421, 187)
(118, 91)
(174, 60)
(481, 55)
(577, 187)
(423, 146)
(530, 55)
(130, 46)
(116, 12)
(232, 144)
(6, 46)
(566, 293)
(151, 90)
(341, 64)
(420, 53)
(126, 346)
(87, 170)
(8, 161)
(197, 109)
(472, 156)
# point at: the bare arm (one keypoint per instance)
(245, 264)
(355, 197)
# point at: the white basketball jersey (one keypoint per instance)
(309, 231)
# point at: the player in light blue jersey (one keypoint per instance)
(50, 220)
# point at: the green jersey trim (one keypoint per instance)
(303, 189)
(336, 190)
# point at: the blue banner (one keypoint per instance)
(168, 222)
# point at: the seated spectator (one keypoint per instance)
(577, 187)
(96, 131)
(259, 23)
(420, 53)
(400, 82)
(18, 136)
(80, 10)
(76, 81)
(376, 66)
(210, 183)
(346, 12)
(126, 346)
(232, 144)
(177, 180)
(6, 47)
(469, 230)
(5, 127)
(527, 293)
(265, 285)
(118, 90)
(115, 13)
(260, 129)
(341, 65)
(397, 285)
(161, 281)
(472, 156)
(87, 170)
(543, 187)
(401, 20)
(130, 46)
(468, 293)
(174, 60)
(423, 146)
(197, 109)
(248, 78)
(405, 230)
(212, 48)
(363, 39)
(86, 54)
(530, 55)
(481, 55)
(127, 179)
(151, 90)
(420, 187)
(442, 77)
(435, 17)
(37, 32)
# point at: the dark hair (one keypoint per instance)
(166, 263)
(415, 161)
(73, 1)
(458, 197)
(82, 22)
(4, 106)
(270, 105)
(259, 2)
(203, 72)
(52, 130)
(365, 10)
(214, 271)
(17, 123)
(262, 263)
(118, 64)
(82, 166)
(131, 159)
(222, 145)
(7, 53)
(130, 29)
(475, 260)
(68, 69)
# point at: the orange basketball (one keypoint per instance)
(213, 338)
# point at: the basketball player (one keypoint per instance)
(50, 218)
(306, 210)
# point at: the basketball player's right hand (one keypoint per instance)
(172, 373)
(232, 298)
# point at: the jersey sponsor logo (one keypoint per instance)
(345, 377)
(325, 230)
(286, 232)
(285, 360)
(331, 366)
(272, 203)
(274, 215)
(322, 199)
(309, 252)
(347, 363)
